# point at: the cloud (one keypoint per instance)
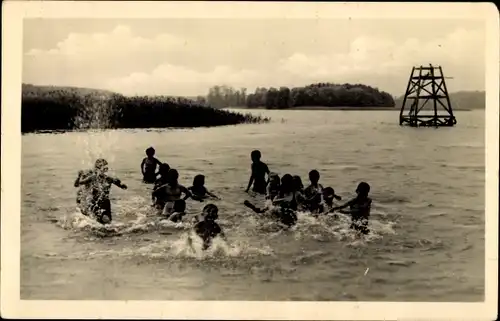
(118, 43)
(387, 64)
(166, 64)
(178, 80)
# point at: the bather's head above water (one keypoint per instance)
(101, 165)
(211, 212)
(314, 176)
(172, 176)
(274, 178)
(150, 152)
(164, 169)
(297, 181)
(363, 189)
(199, 180)
(329, 195)
(255, 156)
(287, 184)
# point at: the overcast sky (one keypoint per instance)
(187, 56)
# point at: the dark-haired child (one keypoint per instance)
(100, 185)
(159, 197)
(148, 166)
(162, 172)
(258, 176)
(198, 190)
(328, 197)
(359, 208)
(170, 192)
(313, 193)
(284, 205)
(273, 188)
(297, 182)
(207, 229)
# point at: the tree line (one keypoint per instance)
(318, 94)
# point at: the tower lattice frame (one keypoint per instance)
(426, 84)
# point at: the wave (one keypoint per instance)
(463, 145)
(480, 167)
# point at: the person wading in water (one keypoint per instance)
(99, 186)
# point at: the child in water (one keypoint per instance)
(297, 181)
(198, 190)
(163, 172)
(170, 192)
(273, 188)
(159, 199)
(313, 193)
(258, 176)
(359, 208)
(100, 185)
(148, 166)
(284, 205)
(328, 197)
(207, 229)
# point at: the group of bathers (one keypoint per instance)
(285, 196)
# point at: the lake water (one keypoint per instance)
(427, 221)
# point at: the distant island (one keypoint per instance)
(319, 95)
(324, 96)
(52, 108)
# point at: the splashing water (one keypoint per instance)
(95, 117)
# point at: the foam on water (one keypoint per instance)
(184, 244)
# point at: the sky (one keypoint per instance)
(185, 57)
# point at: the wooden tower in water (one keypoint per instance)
(426, 101)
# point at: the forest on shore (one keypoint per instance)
(49, 108)
(318, 94)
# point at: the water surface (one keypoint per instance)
(427, 222)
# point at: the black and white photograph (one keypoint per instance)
(242, 160)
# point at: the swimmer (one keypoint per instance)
(328, 197)
(258, 175)
(313, 193)
(273, 188)
(162, 172)
(359, 208)
(299, 187)
(198, 190)
(299, 193)
(287, 193)
(284, 205)
(100, 185)
(170, 192)
(148, 166)
(159, 198)
(207, 229)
